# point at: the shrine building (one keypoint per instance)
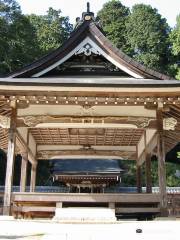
(88, 100)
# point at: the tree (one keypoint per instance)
(113, 16)
(175, 40)
(51, 29)
(147, 34)
(26, 38)
(18, 44)
(9, 9)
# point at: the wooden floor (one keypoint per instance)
(32, 204)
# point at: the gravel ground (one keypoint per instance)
(47, 230)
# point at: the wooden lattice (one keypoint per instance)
(82, 136)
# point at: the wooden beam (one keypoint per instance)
(10, 160)
(34, 120)
(24, 147)
(45, 155)
(26, 209)
(149, 148)
(93, 197)
(137, 210)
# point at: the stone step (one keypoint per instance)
(85, 214)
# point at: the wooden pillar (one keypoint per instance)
(148, 174)
(33, 177)
(161, 164)
(138, 174)
(10, 161)
(24, 164)
(138, 179)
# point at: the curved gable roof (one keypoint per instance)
(86, 166)
(88, 30)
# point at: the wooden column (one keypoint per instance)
(10, 160)
(161, 164)
(138, 173)
(147, 166)
(24, 164)
(148, 174)
(138, 179)
(33, 177)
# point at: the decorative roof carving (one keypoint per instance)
(141, 122)
(85, 116)
(4, 121)
(32, 121)
(169, 123)
(87, 49)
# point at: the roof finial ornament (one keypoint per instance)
(86, 16)
(88, 7)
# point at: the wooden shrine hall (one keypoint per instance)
(87, 99)
(87, 175)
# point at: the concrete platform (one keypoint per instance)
(85, 214)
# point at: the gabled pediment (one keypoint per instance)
(87, 59)
(88, 51)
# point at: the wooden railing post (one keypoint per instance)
(138, 179)
(148, 173)
(24, 164)
(33, 177)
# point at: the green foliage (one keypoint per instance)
(113, 17)
(129, 178)
(147, 34)
(51, 29)
(25, 38)
(172, 179)
(9, 9)
(44, 177)
(18, 44)
(143, 33)
(175, 40)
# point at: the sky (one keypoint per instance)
(73, 8)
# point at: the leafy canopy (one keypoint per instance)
(51, 29)
(18, 44)
(26, 38)
(147, 34)
(175, 40)
(113, 17)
